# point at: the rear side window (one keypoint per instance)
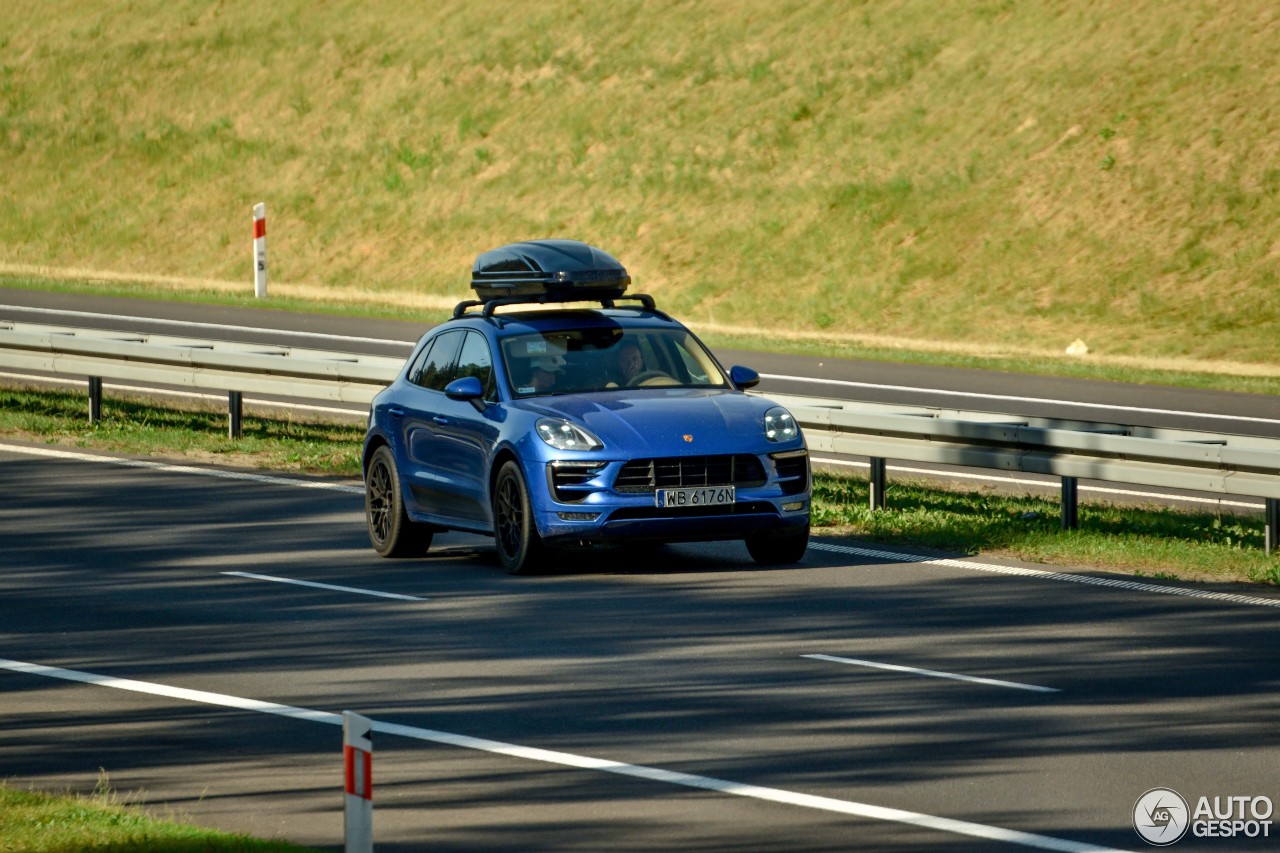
(434, 368)
(477, 360)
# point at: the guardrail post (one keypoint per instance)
(357, 766)
(1070, 504)
(95, 399)
(879, 482)
(1273, 525)
(235, 412)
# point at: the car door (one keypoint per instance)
(423, 404)
(465, 434)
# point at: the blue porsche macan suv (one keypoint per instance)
(569, 426)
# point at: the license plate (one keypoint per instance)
(711, 496)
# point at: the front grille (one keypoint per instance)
(676, 472)
(793, 472)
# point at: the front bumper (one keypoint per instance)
(597, 513)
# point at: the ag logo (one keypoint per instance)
(1161, 816)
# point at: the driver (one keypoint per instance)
(630, 362)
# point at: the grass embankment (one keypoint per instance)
(44, 823)
(1004, 177)
(1199, 546)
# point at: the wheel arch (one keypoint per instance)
(371, 447)
(502, 457)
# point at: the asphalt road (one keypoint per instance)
(663, 699)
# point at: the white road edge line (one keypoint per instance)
(1041, 574)
(50, 453)
(326, 586)
(583, 762)
(933, 673)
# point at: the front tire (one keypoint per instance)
(775, 550)
(514, 531)
(391, 532)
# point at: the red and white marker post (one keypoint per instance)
(260, 250)
(357, 761)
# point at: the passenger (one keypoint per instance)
(544, 371)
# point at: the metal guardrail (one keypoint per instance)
(233, 367)
(1070, 450)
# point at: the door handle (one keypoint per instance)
(396, 412)
(440, 420)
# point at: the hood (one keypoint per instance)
(656, 421)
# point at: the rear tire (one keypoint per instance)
(520, 549)
(774, 550)
(391, 532)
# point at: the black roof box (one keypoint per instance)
(549, 270)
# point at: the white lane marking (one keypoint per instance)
(1040, 574)
(583, 762)
(186, 395)
(327, 586)
(222, 327)
(933, 673)
(1008, 398)
(1047, 484)
(50, 453)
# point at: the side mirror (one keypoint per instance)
(743, 377)
(468, 389)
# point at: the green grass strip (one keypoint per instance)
(33, 822)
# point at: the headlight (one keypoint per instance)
(563, 435)
(779, 425)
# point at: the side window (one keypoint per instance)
(477, 360)
(694, 373)
(437, 366)
(418, 360)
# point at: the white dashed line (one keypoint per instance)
(328, 586)
(933, 673)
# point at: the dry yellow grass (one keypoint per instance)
(1003, 176)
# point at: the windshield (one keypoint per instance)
(577, 361)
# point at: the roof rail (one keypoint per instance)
(487, 306)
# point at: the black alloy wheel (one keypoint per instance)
(514, 532)
(391, 532)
